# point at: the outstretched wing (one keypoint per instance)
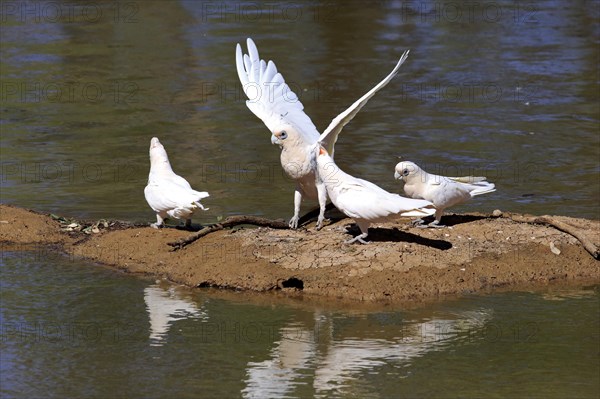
(269, 97)
(330, 135)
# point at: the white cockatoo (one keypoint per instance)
(442, 191)
(271, 100)
(168, 194)
(364, 201)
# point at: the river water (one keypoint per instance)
(503, 89)
(70, 330)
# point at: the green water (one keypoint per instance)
(70, 329)
(507, 90)
(511, 94)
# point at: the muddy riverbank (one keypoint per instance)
(477, 253)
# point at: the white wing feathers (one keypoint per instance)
(362, 199)
(364, 203)
(330, 135)
(476, 185)
(272, 100)
(168, 193)
(468, 179)
(269, 97)
(165, 195)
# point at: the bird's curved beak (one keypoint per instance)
(397, 176)
(274, 139)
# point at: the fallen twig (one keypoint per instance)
(562, 226)
(229, 222)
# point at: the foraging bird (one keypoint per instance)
(364, 201)
(442, 191)
(168, 194)
(272, 101)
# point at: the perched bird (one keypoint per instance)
(364, 201)
(442, 191)
(272, 101)
(168, 194)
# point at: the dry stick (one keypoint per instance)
(229, 222)
(562, 226)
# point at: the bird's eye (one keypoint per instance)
(405, 172)
(283, 135)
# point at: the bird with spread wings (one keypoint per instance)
(272, 101)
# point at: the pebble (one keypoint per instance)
(553, 248)
(497, 213)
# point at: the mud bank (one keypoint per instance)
(477, 253)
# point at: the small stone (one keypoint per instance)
(553, 248)
(497, 213)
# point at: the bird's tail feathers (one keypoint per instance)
(419, 212)
(197, 204)
(476, 185)
(199, 195)
(483, 187)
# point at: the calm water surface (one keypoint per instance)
(501, 89)
(510, 94)
(70, 329)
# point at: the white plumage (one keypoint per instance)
(364, 201)
(442, 191)
(271, 100)
(168, 194)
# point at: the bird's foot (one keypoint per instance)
(417, 222)
(156, 225)
(320, 222)
(436, 224)
(187, 226)
(359, 238)
(294, 222)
